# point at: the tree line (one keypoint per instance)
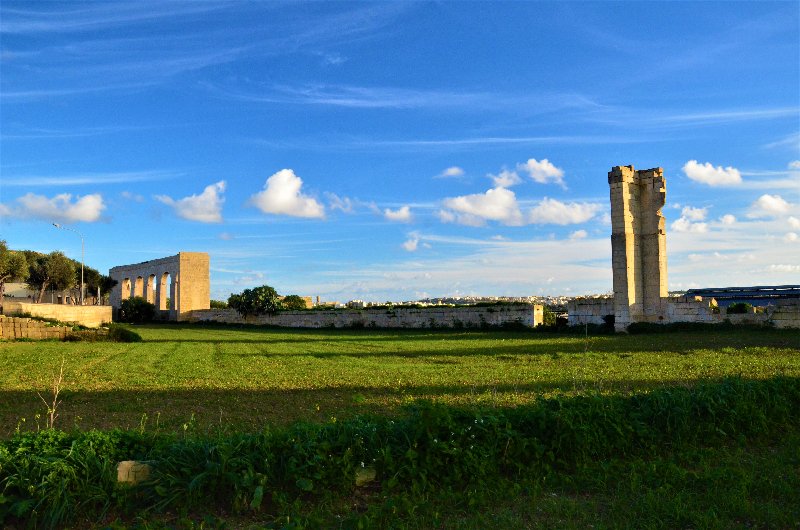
(41, 272)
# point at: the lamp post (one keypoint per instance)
(82, 251)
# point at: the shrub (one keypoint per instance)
(136, 310)
(117, 333)
(257, 301)
(218, 304)
(740, 308)
(293, 302)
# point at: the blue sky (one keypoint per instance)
(401, 150)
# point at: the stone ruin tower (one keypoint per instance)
(638, 244)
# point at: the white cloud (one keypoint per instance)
(452, 171)
(727, 219)
(497, 204)
(401, 215)
(694, 214)
(781, 267)
(578, 234)
(411, 244)
(552, 211)
(505, 179)
(769, 206)
(794, 164)
(59, 208)
(282, 196)
(685, 224)
(205, 208)
(543, 171)
(132, 196)
(791, 237)
(794, 222)
(712, 176)
(345, 204)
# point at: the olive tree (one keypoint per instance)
(13, 266)
(293, 302)
(52, 270)
(256, 301)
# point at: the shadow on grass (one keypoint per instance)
(252, 410)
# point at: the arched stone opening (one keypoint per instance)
(138, 287)
(150, 291)
(166, 297)
(126, 288)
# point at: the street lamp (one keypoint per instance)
(82, 251)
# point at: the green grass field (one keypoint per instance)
(244, 378)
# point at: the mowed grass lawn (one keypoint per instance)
(213, 377)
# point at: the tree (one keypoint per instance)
(136, 310)
(52, 270)
(13, 266)
(293, 302)
(257, 301)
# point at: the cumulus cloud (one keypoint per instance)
(727, 219)
(684, 224)
(451, 172)
(497, 204)
(543, 171)
(794, 164)
(791, 237)
(710, 175)
(505, 178)
(694, 214)
(282, 196)
(401, 215)
(769, 206)
(411, 244)
(578, 234)
(552, 211)
(87, 208)
(794, 222)
(204, 208)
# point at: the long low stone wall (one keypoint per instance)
(528, 315)
(783, 313)
(91, 316)
(27, 328)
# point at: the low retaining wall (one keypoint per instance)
(528, 315)
(783, 313)
(91, 316)
(27, 328)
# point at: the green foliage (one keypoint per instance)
(13, 266)
(52, 270)
(257, 301)
(218, 304)
(117, 333)
(548, 317)
(293, 302)
(49, 477)
(136, 310)
(740, 308)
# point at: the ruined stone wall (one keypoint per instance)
(91, 316)
(638, 243)
(27, 328)
(784, 314)
(582, 311)
(450, 317)
(183, 279)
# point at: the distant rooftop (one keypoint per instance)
(756, 295)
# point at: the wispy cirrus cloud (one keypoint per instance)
(86, 179)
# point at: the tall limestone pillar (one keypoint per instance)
(638, 244)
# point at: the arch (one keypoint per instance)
(138, 287)
(166, 296)
(126, 288)
(150, 290)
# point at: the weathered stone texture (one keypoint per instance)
(638, 243)
(189, 289)
(528, 315)
(91, 316)
(27, 328)
(582, 311)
